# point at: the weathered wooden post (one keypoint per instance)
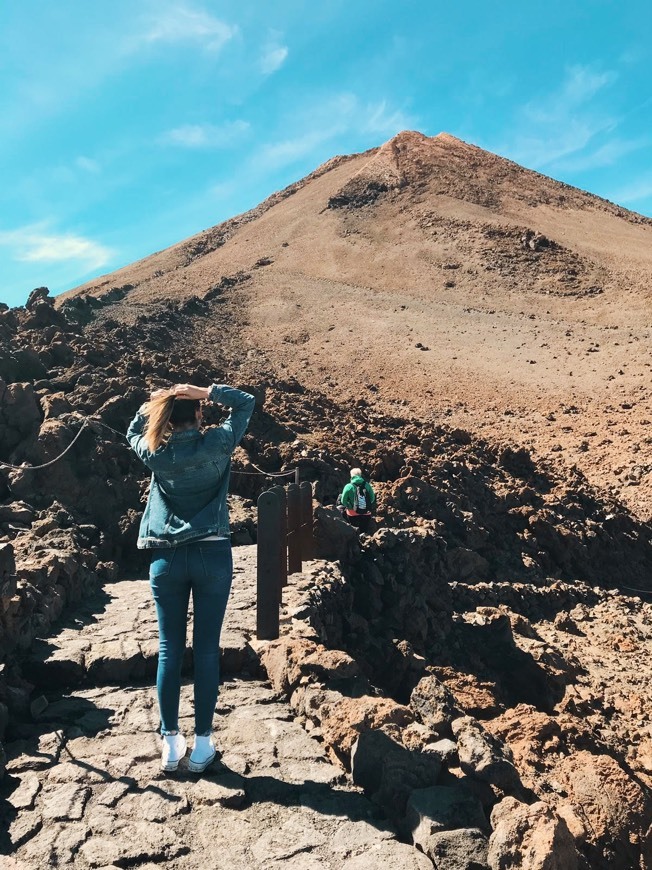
(294, 529)
(283, 548)
(306, 520)
(269, 561)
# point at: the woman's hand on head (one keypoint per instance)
(190, 391)
(157, 394)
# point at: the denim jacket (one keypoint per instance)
(190, 475)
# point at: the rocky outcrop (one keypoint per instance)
(530, 837)
(483, 757)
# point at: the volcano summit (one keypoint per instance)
(433, 274)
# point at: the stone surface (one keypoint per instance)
(345, 720)
(459, 849)
(24, 796)
(57, 844)
(112, 793)
(131, 844)
(390, 855)
(481, 755)
(113, 661)
(445, 749)
(434, 704)
(389, 772)
(615, 810)
(442, 808)
(273, 799)
(23, 828)
(37, 755)
(156, 802)
(530, 837)
(225, 791)
(66, 803)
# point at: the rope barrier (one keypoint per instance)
(265, 473)
(52, 461)
(86, 422)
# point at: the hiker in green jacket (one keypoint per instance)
(358, 500)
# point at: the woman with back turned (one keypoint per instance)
(186, 525)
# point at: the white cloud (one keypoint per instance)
(548, 147)
(183, 24)
(564, 122)
(582, 83)
(606, 154)
(33, 244)
(384, 121)
(273, 58)
(205, 135)
(344, 114)
(288, 151)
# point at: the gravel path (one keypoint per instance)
(83, 786)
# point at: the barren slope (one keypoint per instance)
(433, 274)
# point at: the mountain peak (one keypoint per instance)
(404, 159)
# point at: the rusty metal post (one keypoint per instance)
(283, 547)
(269, 560)
(305, 489)
(294, 529)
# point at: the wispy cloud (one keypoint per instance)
(606, 154)
(288, 151)
(580, 85)
(384, 121)
(636, 191)
(274, 54)
(33, 244)
(564, 122)
(273, 59)
(205, 135)
(345, 114)
(181, 23)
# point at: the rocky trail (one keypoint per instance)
(467, 687)
(83, 786)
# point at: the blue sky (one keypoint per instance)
(128, 125)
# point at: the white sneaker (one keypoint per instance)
(202, 754)
(172, 751)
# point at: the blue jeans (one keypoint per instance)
(206, 569)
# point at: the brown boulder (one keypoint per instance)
(281, 660)
(530, 838)
(434, 704)
(20, 415)
(344, 721)
(483, 756)
(54, 405)
(616, 810)
(537, 741)
(474, 696)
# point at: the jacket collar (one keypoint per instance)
(185, 435)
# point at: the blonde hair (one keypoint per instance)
(356, 472)
(158, 412)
